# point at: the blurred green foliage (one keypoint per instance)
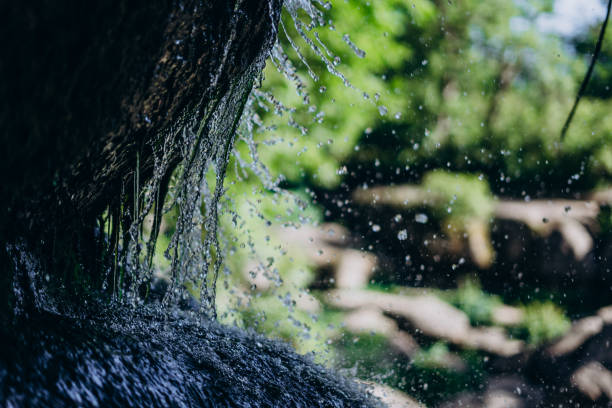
(471, 299)
(434, 357)
(468, 86)
(461, 196)
(466, 98)
(544, 321)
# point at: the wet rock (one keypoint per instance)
(372, 321)
(593, 380)
(126, 358)
(581, 331)
(510, 391)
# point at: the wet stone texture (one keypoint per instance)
(87, 85)
(134, 359)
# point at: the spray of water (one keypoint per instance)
(198, 245)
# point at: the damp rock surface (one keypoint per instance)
(132, 358)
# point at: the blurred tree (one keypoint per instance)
(466, 86)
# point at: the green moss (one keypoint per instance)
(605, 219)
(370, 357)
(432, 381)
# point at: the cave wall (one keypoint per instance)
(89, 86)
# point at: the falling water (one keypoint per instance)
(195, 193)
(193, 252)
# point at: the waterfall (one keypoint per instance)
(206, 144)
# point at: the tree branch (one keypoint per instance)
(587, 77)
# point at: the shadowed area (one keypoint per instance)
(133, 359)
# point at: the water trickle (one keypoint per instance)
(317, 46)
(205, 142)
(358, 51)
(195, 192)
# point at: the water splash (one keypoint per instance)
(194, 251)
(203, 140)
(195, 191)
(306, 31)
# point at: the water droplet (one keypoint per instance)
(359, 52)
(402, 235)
(421, 218)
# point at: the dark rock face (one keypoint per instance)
(86, 85)
(134, 359)
(89, 91)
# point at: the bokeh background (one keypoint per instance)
(421, 225)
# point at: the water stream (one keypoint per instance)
(195, 191)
